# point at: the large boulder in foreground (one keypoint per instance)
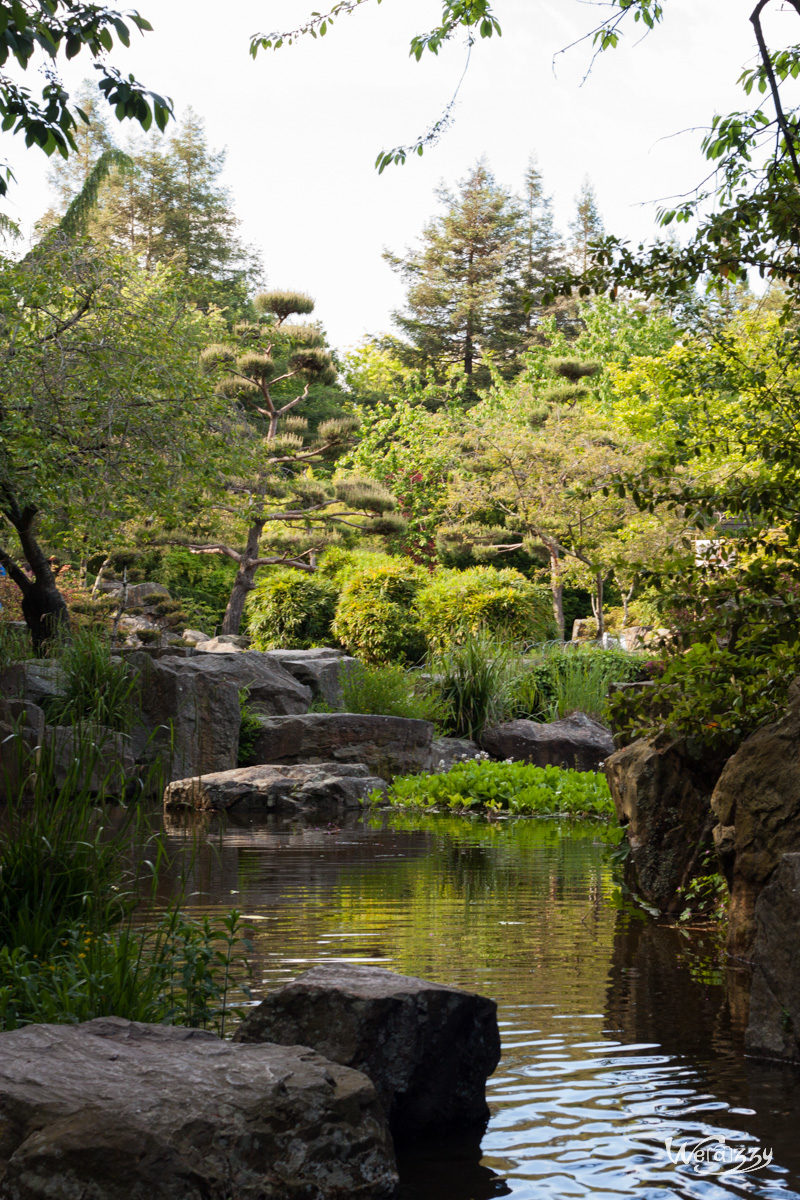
(576, 741)
(661, 792)
(116, 1110)
(756, 804)
(387, 745)
(428, 1049)
(774, 1025)
(319, 790)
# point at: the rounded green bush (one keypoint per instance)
(375, 618)
(291, 610)
(499, 602)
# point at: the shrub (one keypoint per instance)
(291, 609)
(476, 681)
(339, 564)
(375, 618)
(504, 603)
(512, 787)
(388, 691)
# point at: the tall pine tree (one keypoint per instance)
(587, 226)
(170, 208)
(455, 306)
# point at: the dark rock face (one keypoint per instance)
(321, 790)
(320, 670)
(428, 1049)
(21, 731)
(34, 680)
(270, 689)
(774, 1026)
(105, 756)
(662, 797)
(189, 719)
(575, 741)
(756, 804)
(387, 745)
(447, 751)
(116, 1110)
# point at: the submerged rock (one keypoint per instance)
(117, 1110)
(576, 741)
(428, 1049)
(388, 745)
(314, 790)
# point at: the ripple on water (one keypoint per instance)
(613, 1041)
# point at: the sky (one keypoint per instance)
(302, 126)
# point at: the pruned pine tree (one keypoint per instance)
(279, 501)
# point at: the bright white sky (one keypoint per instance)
(302, 126)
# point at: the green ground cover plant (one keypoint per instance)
(480, 785)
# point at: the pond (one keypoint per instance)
(618, 1032)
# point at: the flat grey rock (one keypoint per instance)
(387, 745)
(319, 790)
(117, 1110)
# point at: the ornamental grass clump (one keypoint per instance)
(96, 688)
(476, 681)
(388, 691)
(76, 938)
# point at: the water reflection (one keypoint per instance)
(616, 1033)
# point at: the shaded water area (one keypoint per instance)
(618, 1033)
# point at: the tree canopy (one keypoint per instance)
(49, 32)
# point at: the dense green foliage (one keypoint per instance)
(291, 609)
(503, 603)
(506, 787)
(374, 618)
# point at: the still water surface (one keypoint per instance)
(617, 1033)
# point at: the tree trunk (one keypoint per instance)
(243, 582)
(601, 628)
(557, 588)
(43, 607)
